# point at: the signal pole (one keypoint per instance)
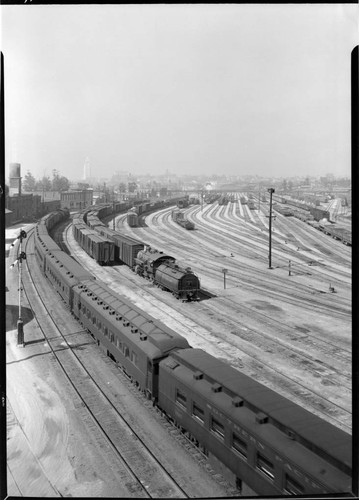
(270, 191)
(21, 257)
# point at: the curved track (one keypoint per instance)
(303, 363)
(137, 466)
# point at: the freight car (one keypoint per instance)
(337, 232)
(126, 248)
(100, 249)
(319, 213)
(286, 211)
(265, 440)
(251, 205)
(183, 203)
(187, 224)
(179, 217)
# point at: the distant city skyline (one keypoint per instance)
(193, 89)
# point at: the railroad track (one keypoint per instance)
(259, 244)
(328, 361)
(254, 280)
(232, 347)
(136, 465)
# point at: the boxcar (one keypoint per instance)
(100, 249)
(126, 248)
(186, 224)
(93, 222)
(265, 440)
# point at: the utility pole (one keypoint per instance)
(21, 257)
(270, 191)
(113, 209)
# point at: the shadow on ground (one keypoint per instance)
(12, 316)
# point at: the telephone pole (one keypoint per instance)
(270, 191)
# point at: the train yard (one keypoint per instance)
(288, 327)
(111, 452)
(294, 312)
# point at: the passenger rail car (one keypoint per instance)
(263, 440)
(270, 443)
(131, 337)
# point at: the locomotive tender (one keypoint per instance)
(266, 442)
(145, 261)
(165, 273)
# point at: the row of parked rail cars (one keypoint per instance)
(183, 203)
(338, 233)
(264, 441)
(150, 263)
(316, 212)
(312, 216)
(179, 218)
(147, 207)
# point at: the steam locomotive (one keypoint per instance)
(268, 444)
(152, 264)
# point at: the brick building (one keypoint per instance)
(77, 199)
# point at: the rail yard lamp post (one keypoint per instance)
(270, 191)
(21, 257)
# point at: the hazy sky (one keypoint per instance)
(234, 89)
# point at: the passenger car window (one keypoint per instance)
(292, 486)
(217, 428)
(197, 412)
(239, 446)
(265, 466)
(181, 398)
